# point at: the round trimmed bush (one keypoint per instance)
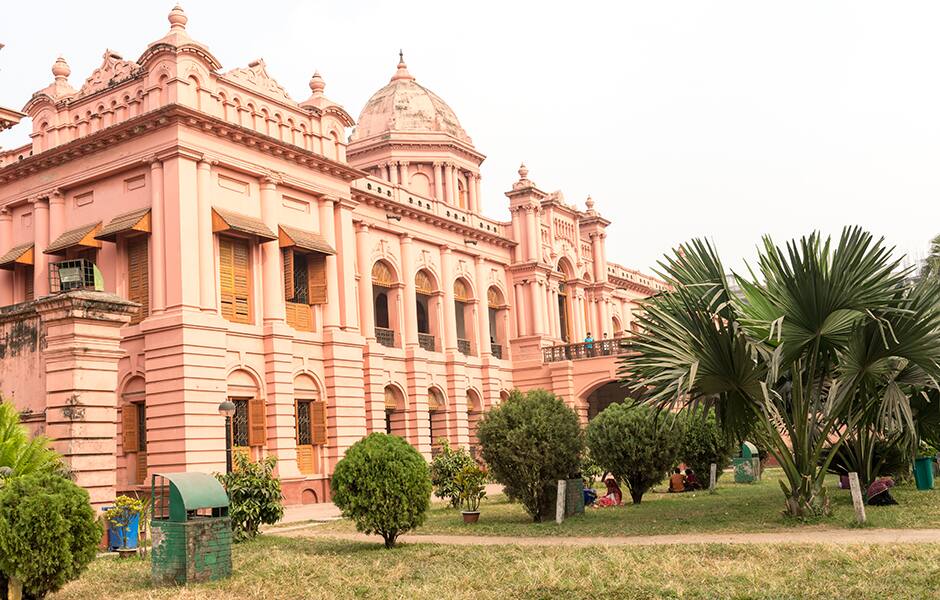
(704, 443)
(383, 485)
(48, 532)
(529, 442)
(636, 444)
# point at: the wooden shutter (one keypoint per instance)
(28, 276)
(316, 278)
(235, 280)
(256, 422)
(306, 463)
(299, 316)
(130, 439)
(138, 277)
(318, 432)
(288, 273)
(141, 473)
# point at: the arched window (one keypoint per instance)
(395, 418)
(461, 194)
(563, 322)
(384, 288)
(311, 424)
(427, 306)
(498, 314)
(463, 313)
(249, 423)
(437, 419)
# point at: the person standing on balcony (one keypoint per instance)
(589, 344)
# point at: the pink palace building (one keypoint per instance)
(329, 276)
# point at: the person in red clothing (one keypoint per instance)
(614, 496)
(676, 481)
(878, 494)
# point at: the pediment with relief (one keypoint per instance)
(114, 69)
(256, 77)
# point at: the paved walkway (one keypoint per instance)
(816, 536)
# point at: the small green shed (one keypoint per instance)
(192, 531)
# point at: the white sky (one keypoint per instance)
(683, 118)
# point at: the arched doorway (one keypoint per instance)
(437, 419)
(427, 307)
(384, 288)
(563, 327)
(610, 393)
(463, 313)
(395, 417)
(498, 319)
(134, 430)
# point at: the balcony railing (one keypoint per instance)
(582, 350)
(464, 346)
(426, 341)
(386, 337)
(496, 350)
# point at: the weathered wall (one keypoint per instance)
(22, 380)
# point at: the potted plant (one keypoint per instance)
(123, 517)
(470, 484)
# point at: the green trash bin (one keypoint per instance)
(747, 465)
(923, 472)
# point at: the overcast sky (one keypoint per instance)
(727, 120)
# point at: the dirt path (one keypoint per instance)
(818, 536)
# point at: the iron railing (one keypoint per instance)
(582, 350)
(496, 350)
(386, 337)
(464, 346)
(426, 341)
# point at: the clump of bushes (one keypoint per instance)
(703, 443)
(529, 442)
(636, 444)
(444, 469)
(48, 532)
(254, 493)
(383, 485)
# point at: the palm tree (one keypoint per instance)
(931, 269)
(827, 340)
(19, 453)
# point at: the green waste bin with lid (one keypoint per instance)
(747, 464)
(191, 529)
(923, 472)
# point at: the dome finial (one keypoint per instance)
(177, 19)
(402, 72)
(61, 69)
(317, 85)
(523, 171)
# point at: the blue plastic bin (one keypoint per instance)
(114, 533)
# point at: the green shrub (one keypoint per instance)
(383, 485)
(704, 443)
(48, 532)
(444, 468)
(254, 494)
(636, 444)
(470, 484)
(20, 453)
(590, 471)
(529, 442)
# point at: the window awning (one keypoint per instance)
(135, 221)
(224, 220)
(289, 237)
(18, 255)
(82, 237)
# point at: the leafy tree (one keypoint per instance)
(529, 442)
(636, 444)
(254, 494)
(383, 485)
(444, 469)
(20, 453)
(703, 443)
(824, 339)
(48, 532)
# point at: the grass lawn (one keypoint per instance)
(734, 508)
(285, 568)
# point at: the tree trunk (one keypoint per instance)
(806, 500)
(637, 496)
(389, 537)
(15, 589)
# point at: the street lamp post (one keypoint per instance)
(227, 409)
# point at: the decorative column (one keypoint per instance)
(456, 185)
(347, 264)
(601, 317)
(438, 183)
(366, 318)
(479, 196)
(577, 242)
(207, 296)
(532, 243)
(393, 173)
(449, 184)
(80, 362)
(157, 238)
(41, 242)
(519, 310)
(596, 256)
(447, 284)
(603, 246)
(56, 215)
(271, 277)
(6, 243)
(552, 311)
(410, 301)
(483, 312)
(404, 177)
(518, 251)
(537, 296)
(472, 193)
(328, 231)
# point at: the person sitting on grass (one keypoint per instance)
(691, 481)
(878, 494)
(676, 481)
(613, 497)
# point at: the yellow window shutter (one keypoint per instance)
(318, 429)
(306, 463)
(141, 467)
(256, 422)
(130, 438)
(241, 263)
(138, 276)
(288, 274)
(316, 278)
(227, 278)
